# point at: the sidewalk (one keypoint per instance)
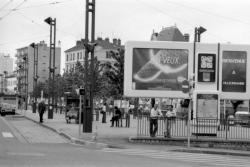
(116, 137)
(102, 134)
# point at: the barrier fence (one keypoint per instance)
(232, 129)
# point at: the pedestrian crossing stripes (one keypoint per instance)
(211, 159)
(7, 134)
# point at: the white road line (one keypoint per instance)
(26, 154)
(216, 160)
(7, 134)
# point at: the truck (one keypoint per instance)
(8, 104)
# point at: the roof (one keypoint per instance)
(168, 34)
(104, 43)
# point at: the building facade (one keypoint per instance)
(6, 63)
(25, 66)
(102, 52)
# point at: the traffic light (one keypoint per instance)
(82, 91)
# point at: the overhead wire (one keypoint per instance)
(6, 4)
(191, 25)
(14, 9)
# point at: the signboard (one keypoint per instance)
(185, 86)
(207, 105)
(206, 67)
(234, 65)
(159, 69)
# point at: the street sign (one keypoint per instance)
(185, 86)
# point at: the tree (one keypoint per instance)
(235, 104)
(115, 74)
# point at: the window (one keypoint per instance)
(108, 56)
(67, 57)
(78, 56)
(73, 56)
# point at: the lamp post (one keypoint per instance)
(197, 33)
(89, 49)
(52, 23)
(35, 76)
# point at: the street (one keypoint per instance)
(25, 143)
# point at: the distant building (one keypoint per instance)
(102, 50)
(11, 84)
(25, 66)
(169, 34)
(6, 63)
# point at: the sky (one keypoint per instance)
(22, 21)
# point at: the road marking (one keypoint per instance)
(7, 134)
(216, 160)
(26, 154)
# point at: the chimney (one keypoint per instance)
(107, 39)
(115, 41)
(99, 38)
(186, 37)
(119, 42)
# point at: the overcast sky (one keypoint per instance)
(22, 22)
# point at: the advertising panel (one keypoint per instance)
(207, 105)
(234, 65)
(159, 69)
(206, 67)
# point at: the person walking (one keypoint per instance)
(41, 110)
(116, 117)
(104, 110)
(154, 113)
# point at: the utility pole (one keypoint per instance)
(35, 76)
(89, 49)
(52, 55)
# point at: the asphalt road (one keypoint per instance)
(27, 144)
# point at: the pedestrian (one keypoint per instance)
(127, 116)
(104, 112)
(41, 110)
(154, 113)
(116, 117)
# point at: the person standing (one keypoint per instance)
(116, 117)
(41, 110)
(104, 110)
(154, 113)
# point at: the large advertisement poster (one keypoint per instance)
(206, 67)
(159, 69)
(234, 71)
(207, 105)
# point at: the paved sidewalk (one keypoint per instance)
(103, 135)
(107, 136)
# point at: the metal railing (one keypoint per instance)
(219, 129)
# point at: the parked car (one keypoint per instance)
(242, 118)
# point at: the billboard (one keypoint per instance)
(156, 69)
(159, 69)
(234, 71)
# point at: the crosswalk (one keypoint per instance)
(7, 135)
(211, 159)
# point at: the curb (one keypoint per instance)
(212, 152)
(72, 139)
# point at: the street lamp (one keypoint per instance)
(89, 49)
(52, 53)
(35, 76)
(197, 33)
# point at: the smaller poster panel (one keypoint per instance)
(207, 106)
(234, 65)
(206, 67)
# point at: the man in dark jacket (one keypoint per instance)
(41, 110)
(116, 117)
